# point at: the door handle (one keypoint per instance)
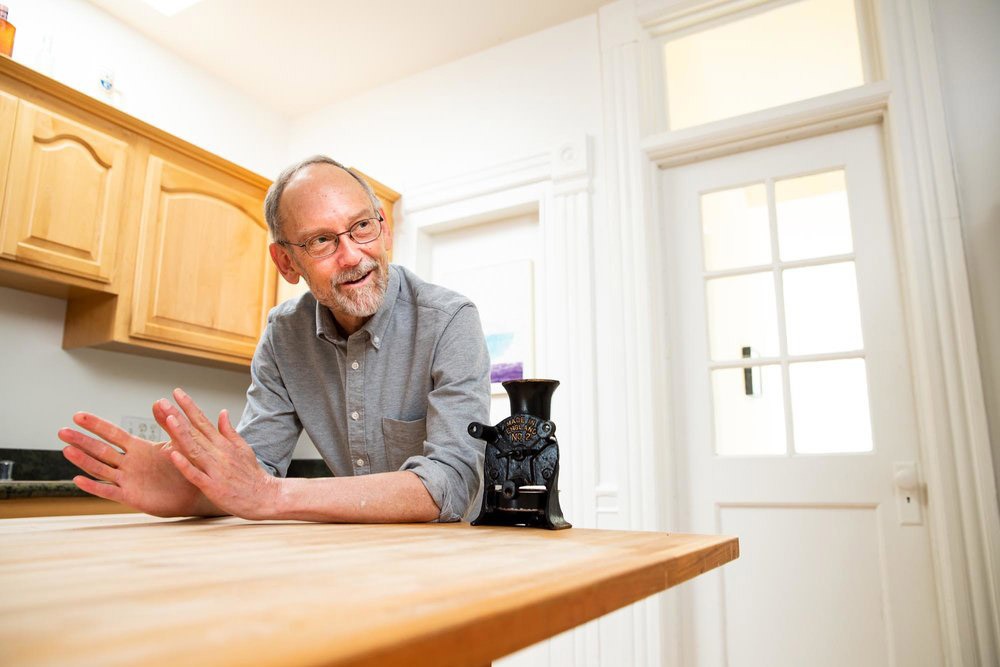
(748, 388)
(905, 476)
(907, 483)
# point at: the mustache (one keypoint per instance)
(357, 272)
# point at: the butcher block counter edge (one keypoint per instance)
(492, 616)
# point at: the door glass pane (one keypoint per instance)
(813, 218)
(830, 407)
(793, 52)
(741, 313)
(821, 309)
(749, 424)
(735, 228)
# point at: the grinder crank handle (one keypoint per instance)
(484, 432)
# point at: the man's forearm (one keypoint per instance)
(381, 498)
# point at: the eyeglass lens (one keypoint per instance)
(361, 232)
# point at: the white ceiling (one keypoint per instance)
(296, 56)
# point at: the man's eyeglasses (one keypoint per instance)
(325, 244)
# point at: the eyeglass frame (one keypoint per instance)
(379, 219)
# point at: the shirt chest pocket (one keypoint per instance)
(403, 439)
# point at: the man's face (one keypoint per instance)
(351, 282)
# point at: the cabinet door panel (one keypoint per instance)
(204, 278)
(64, 199)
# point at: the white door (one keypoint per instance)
(794, 411)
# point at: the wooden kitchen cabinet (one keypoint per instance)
(202, 281)
(8, 112)
(159, 246)
(63, 202)
(203, 276)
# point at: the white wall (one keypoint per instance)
(969, 60)
(42, 385)
(516, 99)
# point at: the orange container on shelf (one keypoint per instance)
(7, 31)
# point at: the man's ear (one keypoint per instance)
(386, 229)
(283, 260)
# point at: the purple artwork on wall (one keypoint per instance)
(503, 372)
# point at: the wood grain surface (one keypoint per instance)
(137, 590)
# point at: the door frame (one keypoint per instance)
(957, 462)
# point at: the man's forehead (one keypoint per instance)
(324, 177)
(323, 190)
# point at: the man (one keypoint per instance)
(382, 370)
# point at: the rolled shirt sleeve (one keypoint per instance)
(452, 461)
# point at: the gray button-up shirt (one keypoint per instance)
(398, 394)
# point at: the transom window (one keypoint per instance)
(780, 53)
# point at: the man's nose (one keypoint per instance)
(349, 253)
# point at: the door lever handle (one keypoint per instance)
(748, 374)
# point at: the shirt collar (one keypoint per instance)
(326, 325)
(379, 322)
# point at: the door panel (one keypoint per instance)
(794, 402)
(806, 560)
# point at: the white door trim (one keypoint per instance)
(835, 112)
(965, 523)
(964, 516)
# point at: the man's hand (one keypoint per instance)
(139, 473)
(218, 461)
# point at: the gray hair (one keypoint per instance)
(273, 199)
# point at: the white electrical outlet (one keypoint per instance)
(145, 428)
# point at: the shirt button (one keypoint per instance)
(375, 339)
(355, 416)
(355, 365)
(361, 462)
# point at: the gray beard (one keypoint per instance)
(364, 302)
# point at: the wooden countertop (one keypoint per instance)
(138, 590)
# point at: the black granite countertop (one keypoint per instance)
(40, 464)
(39, 489)
(45, 473)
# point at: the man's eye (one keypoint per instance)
(320, 241)
(362, 225)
